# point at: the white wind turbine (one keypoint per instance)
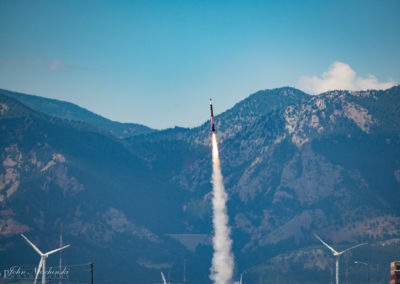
(240, 281)
(43, 256)
(337, 254)
(163, 278)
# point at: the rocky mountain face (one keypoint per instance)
(55, 171)
(293, 164)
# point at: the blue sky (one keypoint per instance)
(158, 62)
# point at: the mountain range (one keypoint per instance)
(137, 201)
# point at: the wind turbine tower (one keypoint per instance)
(43, 256)
(60, 262)
(163, 278)
(337, 254)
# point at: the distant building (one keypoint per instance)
(395, 272)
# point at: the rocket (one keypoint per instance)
(212, 117)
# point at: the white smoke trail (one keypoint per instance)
(222, 262)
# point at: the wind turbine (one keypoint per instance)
(240, 281)
(163, 278)
(43, 256)
(337, 254)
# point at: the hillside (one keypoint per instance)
(328, 163)
(56, 172)
(73, 112)
(293, 164)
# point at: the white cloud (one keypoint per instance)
(340, 76)
(56, 64)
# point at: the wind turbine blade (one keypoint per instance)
(56, 250)
(329, 247)
(359, 245)
(38, 269)
(36, 249)
(163, 278)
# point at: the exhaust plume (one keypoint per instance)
(222, 262)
